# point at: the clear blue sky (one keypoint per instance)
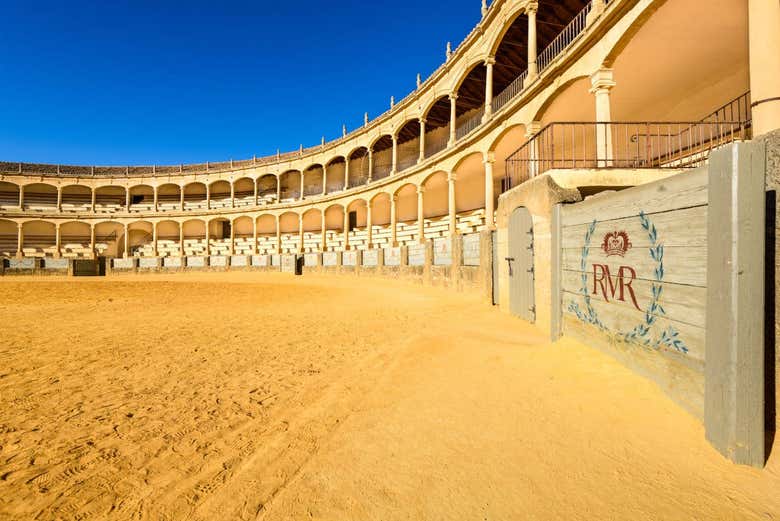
(143, 82)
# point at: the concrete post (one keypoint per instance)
(488, 159)
(764, 41)
(451, 207)
(420, 214)
(422, 140)
(556, 277)
(601, 83)
(734, 337)
(393, 221)
(489, 62)
(453, 117)
(533, 70)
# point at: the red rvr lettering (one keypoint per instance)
(609, 287)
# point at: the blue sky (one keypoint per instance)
(143, 82)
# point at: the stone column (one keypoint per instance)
(21, 197)
(92, 241)
(208, 197)
(127, 200)
(324, 233)
(420, 217)
(370, 164)
(488, 160)
(346, 173)
(533, 150)
(278, 189)
(154, 239)
(232, 194)
(232, 238)
(300, 233)
(422, 140)
(255, 194)
(451, 207)
(19, 240)
(453, 117)
(346, 229)
(369, 226)
(394, 168)
(181, 239)
(393, 221)
(57, 241)
(156, 196)
(93, 201)
(302, 187)
(601, 83)
(489, 62)
(278, 236)
(533, 69)
(324, 179)
(208, 239)
(254, 235)
(597, 7)
(126, 253)
(181, 198)
(764, 41)
(59, 199)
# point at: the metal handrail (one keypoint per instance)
(564, 39)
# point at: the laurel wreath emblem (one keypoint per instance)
(669, 338)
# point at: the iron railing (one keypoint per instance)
(512, 90)
(583, 145)
(564, 39)
(463, 128)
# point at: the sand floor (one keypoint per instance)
(263, 396)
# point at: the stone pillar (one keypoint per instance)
(300, 233)
(181, 239)
(57, 241)
(420, 216)
(369, 226)
(126, 253)
(597, 7)
(208, 239)
(346, 229)
(422, 140)
(154, 239)
(255, 194)
(533, 69)
(451, 207)
(324, 234)
(19, 240)
(302, 187)
(21, 197)
(453, 117)
(59, 198)
(764, 40)
(92, 241)
(232, 238)
(93, 201)
(254, 235)
(278, 189)
(393, 221)
(394, 168)
(155, 197)
(533, 153)
(370, 164)
(278, 236)
(324, 179)
(346, 173)
(181, 198)
(488, 160)
(489, 62)
(208, 197)
(127, 200)
(232, 194)
(601, 83)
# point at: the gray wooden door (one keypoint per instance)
(521, 265)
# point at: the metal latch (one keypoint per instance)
(509, 261)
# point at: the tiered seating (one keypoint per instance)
(266, 243)
(40, 202)
(9, 199)
(76, 247)
(168, 203)
(219, 246)
(471, 222)
(104, 205)
(221, 202)
(194, 247)
(8, 245)
(41, 246)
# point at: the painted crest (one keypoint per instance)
(616, 243)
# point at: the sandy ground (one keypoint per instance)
(263, 396)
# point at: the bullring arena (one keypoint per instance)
(540, 286)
